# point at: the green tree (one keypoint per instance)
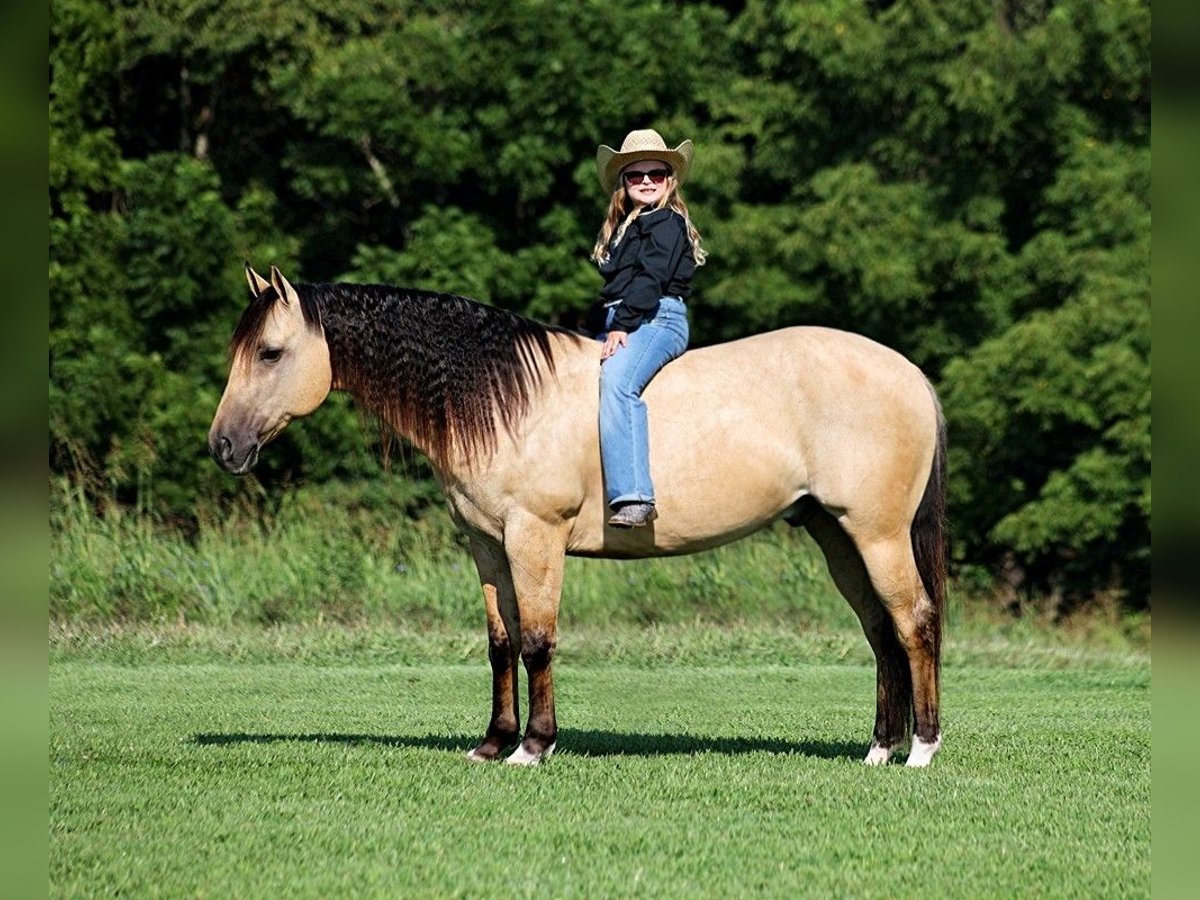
(967, 182)
(1058, 405)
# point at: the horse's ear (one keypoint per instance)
(283, 287)
(257, 283)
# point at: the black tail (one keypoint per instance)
(929, 532)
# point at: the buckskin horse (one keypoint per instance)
(824, 428)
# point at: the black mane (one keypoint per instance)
(438, 368)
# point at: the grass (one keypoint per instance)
(694, 761)
(279, 705)
(319, 558)
(314, 560)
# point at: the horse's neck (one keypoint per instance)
(370, 377)
(404, 388)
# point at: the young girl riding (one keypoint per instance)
(647, 251)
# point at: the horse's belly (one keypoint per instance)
(704, 499)
(658, 539)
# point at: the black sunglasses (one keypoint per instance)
(656, 176)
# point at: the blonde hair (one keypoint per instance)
(618, 217)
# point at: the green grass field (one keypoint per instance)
(274, 705)
(693, 761)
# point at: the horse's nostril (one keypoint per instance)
(221, 449)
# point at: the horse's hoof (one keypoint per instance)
(491, 748)
(921, 754)
(878, 755)
(523, 757)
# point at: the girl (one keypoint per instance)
(647, 251)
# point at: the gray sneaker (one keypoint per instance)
(633, 515)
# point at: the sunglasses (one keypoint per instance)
(656, 176)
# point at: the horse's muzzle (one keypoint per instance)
(223, 452)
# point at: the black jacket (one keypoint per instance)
(653, 260)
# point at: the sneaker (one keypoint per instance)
(633, 515)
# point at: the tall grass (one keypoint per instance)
(316, 559)
(388, 555)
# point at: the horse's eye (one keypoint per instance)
(270, 354)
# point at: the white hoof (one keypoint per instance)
(522, 757)
(878, 755)
(921, 754)
(476, 757)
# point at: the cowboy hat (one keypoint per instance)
(644, 144)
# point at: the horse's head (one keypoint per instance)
(279, 370)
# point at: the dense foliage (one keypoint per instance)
(966, 181)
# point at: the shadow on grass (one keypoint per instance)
(572, 742)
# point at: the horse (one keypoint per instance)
(826, 429)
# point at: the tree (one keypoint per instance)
(966, 182)
(1060, 402)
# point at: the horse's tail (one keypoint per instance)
(929, 532)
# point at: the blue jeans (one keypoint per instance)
(624, 437)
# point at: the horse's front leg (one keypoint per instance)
(503, 628)
(536, 555)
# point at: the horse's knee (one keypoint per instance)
(500, 651)
(537, 648)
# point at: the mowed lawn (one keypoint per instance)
(687, 777)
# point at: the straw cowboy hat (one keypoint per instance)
(644, 144)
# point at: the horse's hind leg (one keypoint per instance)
(504, 640)
(893, 683)
(916, 617)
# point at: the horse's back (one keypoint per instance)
(812, 360)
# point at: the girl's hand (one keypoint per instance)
(614, 341)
